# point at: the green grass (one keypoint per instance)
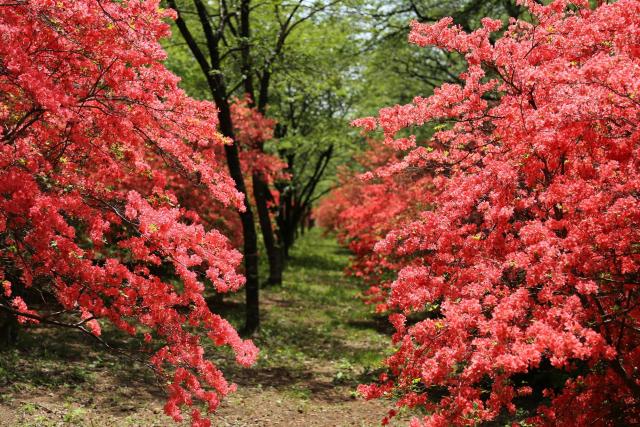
(317, 313)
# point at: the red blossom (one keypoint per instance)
(512, 234)
(97, 147)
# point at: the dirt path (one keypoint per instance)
(317, 341)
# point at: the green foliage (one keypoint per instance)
(341, 60)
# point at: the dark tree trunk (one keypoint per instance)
(215, 301)
(260, 187)
(296, 203)
(284, 220)
(250, 237)
(261, 195)
(217, 85)
(8, 330)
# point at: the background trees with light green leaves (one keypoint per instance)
(313, 66)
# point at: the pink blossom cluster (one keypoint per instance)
(95, 136)
(515, 279)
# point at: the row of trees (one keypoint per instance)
(265, 53)
(496, 221)
(309, 66)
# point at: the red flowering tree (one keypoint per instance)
(93, 127)
(252, 130)
(524, 262)
(364, 208)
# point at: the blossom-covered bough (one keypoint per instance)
(94, 132)
(524, 261)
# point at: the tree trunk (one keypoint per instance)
(260, 187)
(8, 330)
(260, 193)
(250, 237)
(218, 88)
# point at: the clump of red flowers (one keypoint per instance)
(515, 290)
(93, 130)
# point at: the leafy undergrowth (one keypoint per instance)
(317, 341)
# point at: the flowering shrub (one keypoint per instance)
(523, 263)
(252, 130)
(362, 209)
(94, 128)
